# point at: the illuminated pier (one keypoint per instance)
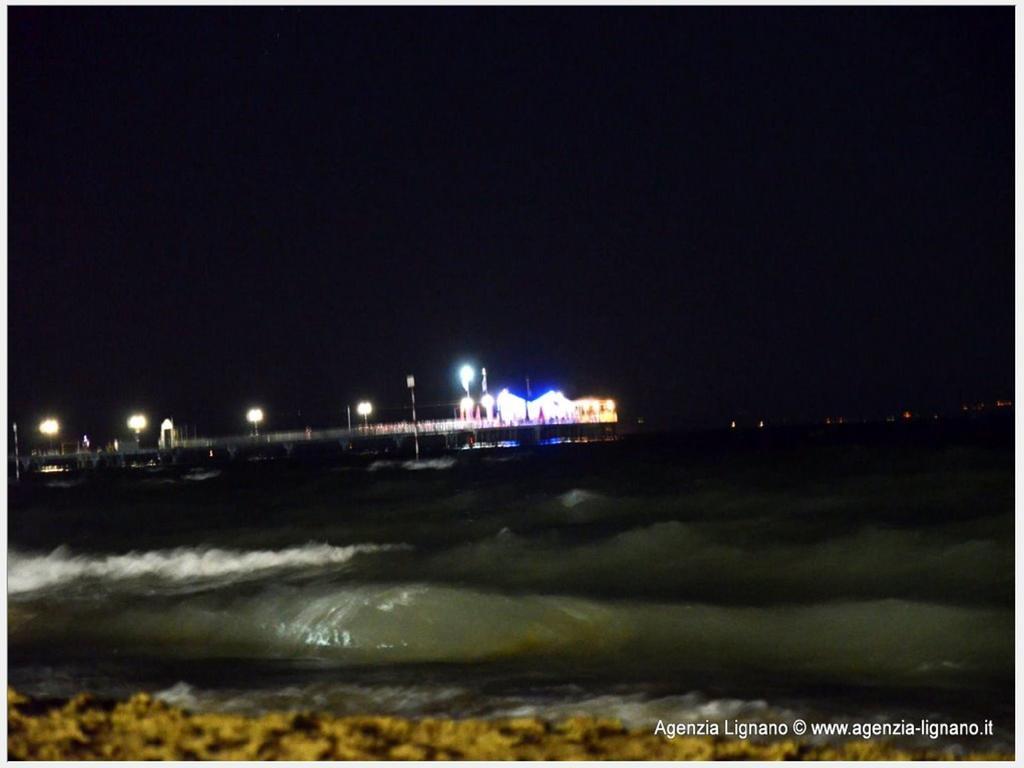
(503, 421)
(437, 436)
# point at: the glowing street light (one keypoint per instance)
(254, 417)
(410, 382)
(466, 376)
(487, 401)
(364, 409)
(137, 423)
(50, 428)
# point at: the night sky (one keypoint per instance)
(704, 213)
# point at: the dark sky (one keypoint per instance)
(700, 212)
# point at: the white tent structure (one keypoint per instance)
(550, 405)
(511, 407)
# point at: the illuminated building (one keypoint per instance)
(551, 406)
(595, 409)
(511, 408)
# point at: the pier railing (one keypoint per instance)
(289, 438)
(385, 429)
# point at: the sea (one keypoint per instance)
(843, 573)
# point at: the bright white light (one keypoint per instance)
(487, 401)
(511, 407)
(590, 408)
(466, 376)
(137, 422)
(550, 405)
(466, 406)
(364, 409)
(254, 416)
(49, 427)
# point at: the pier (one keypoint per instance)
(503, 421)
(396, 439)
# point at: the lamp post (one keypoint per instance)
(486, 399)
(410, 382)
(364, 409)
(50, 428)
(254, 417)
(466, 404)
(17, 461)
(466, 377)
(137, 423)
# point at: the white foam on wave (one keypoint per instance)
(27, 573)
(577, 496)
(640, 711)
(445, 462)
(201, 474)
(65, 483)
(634, 710)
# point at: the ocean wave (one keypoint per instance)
(577, 496)
(706, 562)
(870, 642)
(445, 462)
(557, 702)
(73, 483)
(28, 573)
(198, 475)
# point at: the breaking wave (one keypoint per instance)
(340, 697)
(867, 642)
(445, 462)
(28, 573)
(198, 475)
(577, 496)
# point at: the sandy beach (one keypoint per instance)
(143, 728)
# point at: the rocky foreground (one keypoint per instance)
(143, 728)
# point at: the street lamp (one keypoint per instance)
(410, 382)
(487, 401)
(466, 376)
(50, 428)
(254, 417)
(137, 423)
(364, 409)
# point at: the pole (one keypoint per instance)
(415, 429)
(17, 461)
(348, 410)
